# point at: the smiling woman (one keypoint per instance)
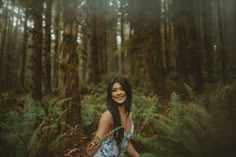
(118, 93)
(118, 115)
(112, 138)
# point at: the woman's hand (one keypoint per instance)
(73, 153)
(92, 146)
(131, 150)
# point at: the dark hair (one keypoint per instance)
(112, 107)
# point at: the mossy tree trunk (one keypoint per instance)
(69, 63)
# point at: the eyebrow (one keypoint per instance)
(120, 87)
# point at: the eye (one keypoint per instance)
(113, 90)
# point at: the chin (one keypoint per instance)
(120, 103)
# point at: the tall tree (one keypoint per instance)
(57, 30)
(100, 36)
(37, 8)
(5, 24)
(111, 35)
(9, 52)
(168, 40)
(146, 26)
(12, 53)
(226, 16)
(24, 47)
(222, 36)
(189, 55)
(69, 63)
(92, 67)
(47, 44)
(207, 38)
(122, 22)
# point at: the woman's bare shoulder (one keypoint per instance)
(106, 117)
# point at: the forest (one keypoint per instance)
(57, 57)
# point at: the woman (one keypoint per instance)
(119, 101)
(115, 127)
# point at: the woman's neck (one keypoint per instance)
(121, 109)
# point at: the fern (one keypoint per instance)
(19, 127)
(178, 132)
(92, 107)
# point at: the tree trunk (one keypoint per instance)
(196, 53)
(111, 48)
(24, 49)
(2, 51)
(12, 76)
(37, 51)
(229, 37)
(189, 57)
(169, 45)
(207, 41)
(56, 48)
(69, 63)
(122, 36)
(92, 67)
(151, 49)
(100, 29)
(9, 55)
(223, 52)
(47, 44)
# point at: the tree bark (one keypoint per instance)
(24, 49)
(57, 45)
(3, 46)
(187, 30)
(223, 52)
(69, 63)
(37, 51)
(48, 86)
(151, 49)
(8, 58)
(207, 41)
(92, 67)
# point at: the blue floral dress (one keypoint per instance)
(109, 146)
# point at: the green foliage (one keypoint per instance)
(35, 130)
(221, 105)
(18, 127)
(92, 107)
(48, 130)
(174, 129)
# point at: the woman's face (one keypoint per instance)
(118, 94)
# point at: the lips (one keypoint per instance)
(119, 99)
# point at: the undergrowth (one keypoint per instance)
(196, 126)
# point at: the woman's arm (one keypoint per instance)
(104, 125)
(103, 128)
(131, 150)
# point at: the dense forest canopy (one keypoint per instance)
(69, 49)
(158, 41)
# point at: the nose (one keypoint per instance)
(118, 91)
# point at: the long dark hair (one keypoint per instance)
(112, 106)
